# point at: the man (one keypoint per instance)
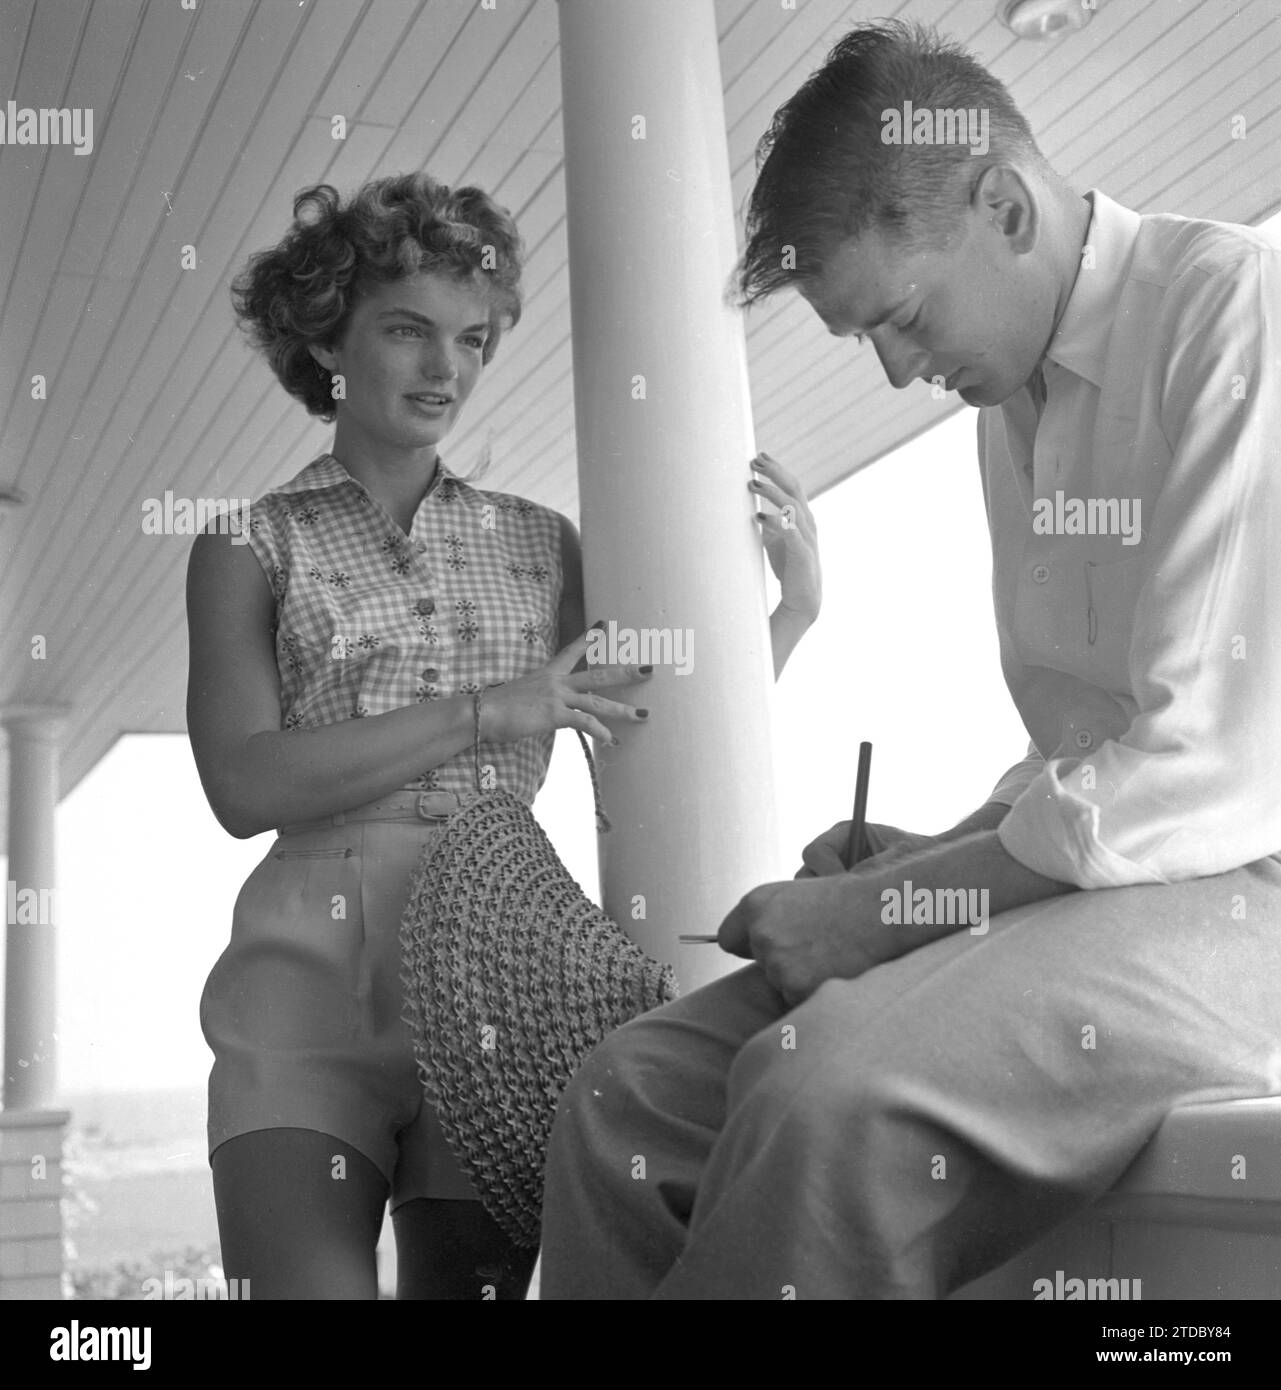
(903, 1092)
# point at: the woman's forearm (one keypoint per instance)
(786, 628)
(290, 775)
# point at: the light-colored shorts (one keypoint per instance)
(303, 1009)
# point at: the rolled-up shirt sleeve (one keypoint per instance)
(1015, 780)
(1193, 786)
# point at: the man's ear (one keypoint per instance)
(1006, 199)
(327, 358)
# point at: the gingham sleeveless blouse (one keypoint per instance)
(370, 620)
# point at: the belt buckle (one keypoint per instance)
(440, 812)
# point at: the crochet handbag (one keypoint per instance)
(512, 975)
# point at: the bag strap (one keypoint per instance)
(602, 820)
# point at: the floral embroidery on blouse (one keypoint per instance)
(359, 604)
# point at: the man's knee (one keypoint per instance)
(602, 1086)
(797, 1084)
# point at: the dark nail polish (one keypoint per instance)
(615, 742)
(599, 623)
(642, 714)
(645, 670)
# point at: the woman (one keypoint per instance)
(336, 661)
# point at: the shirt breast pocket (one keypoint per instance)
(1111, 596)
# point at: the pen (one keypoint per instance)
(858, 840)
(857, 848)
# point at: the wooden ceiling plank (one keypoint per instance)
(152, 65)
(1230, 185)
(233, 222)
(176, 128)
(36, 59)
(16, 19)
(140, 387)
(767, 37)
(1152, 75)
(146, 588)
(67, 205)
(28, 262)
(374, 39)
(730, 13)
(521, 77)
(429, 118)
(429, 48)
(784, 62)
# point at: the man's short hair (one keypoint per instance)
(825, 174)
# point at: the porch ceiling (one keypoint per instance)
(206, 122)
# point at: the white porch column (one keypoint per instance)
(31, 1132)
(30, 1018)
(664, 441)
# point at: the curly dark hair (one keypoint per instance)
(826, 174)
(302, 291)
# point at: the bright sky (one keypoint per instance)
(904, 654)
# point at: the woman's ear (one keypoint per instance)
(327, 358)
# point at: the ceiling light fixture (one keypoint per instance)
(1044, 20)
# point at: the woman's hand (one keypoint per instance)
(556, 697)
(790, 536)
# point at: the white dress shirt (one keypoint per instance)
(1146, 665)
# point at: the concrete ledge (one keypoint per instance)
(1229, 1150)
(1196, 1215)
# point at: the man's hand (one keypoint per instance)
(803, 933)
(827, 854)
(830, 928)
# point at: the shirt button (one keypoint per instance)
(425, 607)
(1084, 738)
(1040, 573)
(431, 674)
(420, 546)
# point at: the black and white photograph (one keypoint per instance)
(641, 661)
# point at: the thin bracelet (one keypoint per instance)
(475, 746)
(603, 825)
